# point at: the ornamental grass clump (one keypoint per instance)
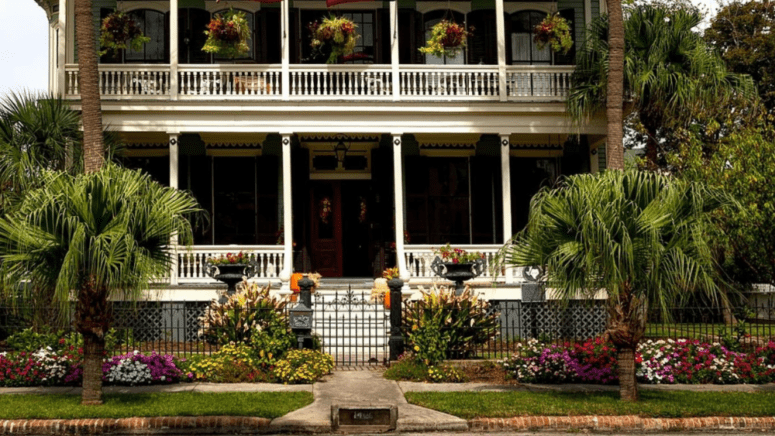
(333, 33)
(447, 39)
(249, 311)
(443, 325)
(228, 35)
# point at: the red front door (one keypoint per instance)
(326, 220)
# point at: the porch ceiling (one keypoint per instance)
(542, 141)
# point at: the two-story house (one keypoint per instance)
(350, 168)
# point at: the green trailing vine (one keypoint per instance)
(555, 31)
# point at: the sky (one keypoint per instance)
(24, 49)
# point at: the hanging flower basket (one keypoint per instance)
(119, 32)
(336, 33)
(555, 31)
(447, 39)
(228, 35)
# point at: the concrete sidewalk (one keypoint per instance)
(529, 387)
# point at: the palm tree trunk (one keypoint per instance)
(93, 354)
(615, 86)
(93, 150)
(92, 319)
(628, 386)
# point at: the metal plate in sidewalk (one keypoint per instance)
(360, 417)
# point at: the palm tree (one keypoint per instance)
(615, 87)
(39, 132)
(636, 235)
(89, 81)
(669, 72)
(94, 237)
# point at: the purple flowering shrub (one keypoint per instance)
(136, 368)
(661, 361)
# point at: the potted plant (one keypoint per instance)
(447, 39)
(228, 35)
(457, 265)
(231, 268)
(119, 31)
(555, 31)
(336, 34)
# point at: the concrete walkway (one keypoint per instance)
(364, 388)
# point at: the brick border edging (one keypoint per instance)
(620, 423)
(136, 426)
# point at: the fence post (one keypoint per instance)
(301, 314)
(396, 341)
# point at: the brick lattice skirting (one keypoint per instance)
(620, 423)
(137, 426)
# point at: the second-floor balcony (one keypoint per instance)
(326, 82)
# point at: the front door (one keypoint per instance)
(340, 228)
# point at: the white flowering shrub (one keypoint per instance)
(127, 371)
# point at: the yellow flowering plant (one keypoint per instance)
(303, 366)
(447, 39)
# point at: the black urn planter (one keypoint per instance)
(458, 272)
(231, 274)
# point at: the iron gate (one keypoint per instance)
(351, 326)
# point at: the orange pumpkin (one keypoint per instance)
(295, 277)
(387, 300)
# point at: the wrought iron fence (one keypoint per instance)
(355, 329)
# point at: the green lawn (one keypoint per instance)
(664, 404)
(702, 331)
(257, 404)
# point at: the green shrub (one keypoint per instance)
(31, 341)
(248, 311)
(409, 368)
(272, 343)
(444, 325)
(303, 366)
(234, 363)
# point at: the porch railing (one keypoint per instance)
(192, 262)
(341, 81)
(420, 257)
(321, 82)
(470, 82)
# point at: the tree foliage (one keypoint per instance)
(741, 162)
(669, 72)
(744, 33)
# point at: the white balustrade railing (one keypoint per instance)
(192, 262)
(124, 81)
(230, 81)
(524, 82)
(420, 257)
(472, 82)
(337, 81)
(321, 82)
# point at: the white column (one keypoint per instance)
(394, 50)
(506, 192)
(174, 165)
(286, 49)
(61, 58)
(173, 49)
(500, 28)
(398, 183)
(285, 275)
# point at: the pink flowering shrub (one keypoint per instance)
(41, 368)
(661, 361)
(136, 368)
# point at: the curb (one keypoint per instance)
(137, 426)
(627, 423)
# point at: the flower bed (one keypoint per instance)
(662, 361)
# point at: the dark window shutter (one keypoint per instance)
(296, 34)
(405, 36)
(382, 44)
(568, 59)
(270, 36)
(483, 46)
